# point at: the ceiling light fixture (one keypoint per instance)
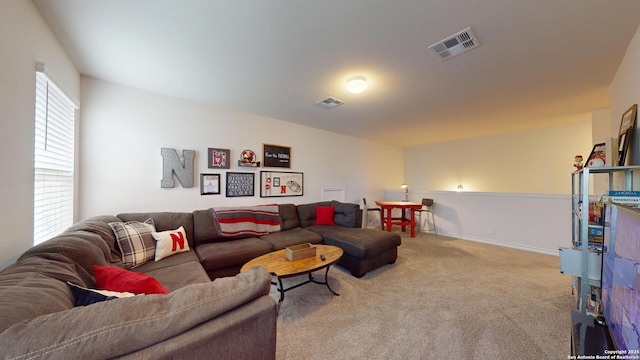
(356, 84)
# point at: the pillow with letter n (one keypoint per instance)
(135, 241)
(170, 242)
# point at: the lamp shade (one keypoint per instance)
(357, 84)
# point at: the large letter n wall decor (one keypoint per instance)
(171, 164)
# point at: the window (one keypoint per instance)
(54, 160)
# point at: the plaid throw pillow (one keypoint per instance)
(136, 242)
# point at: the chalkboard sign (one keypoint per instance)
(276, 156)
(240, 184)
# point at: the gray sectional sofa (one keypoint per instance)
(231, 317)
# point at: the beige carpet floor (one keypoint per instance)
(444, 298)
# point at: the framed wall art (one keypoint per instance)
(240, 184)
(276, 156)
(281, 183)
(598, 156)
(209, 184)
(626, 132)
(219, 158)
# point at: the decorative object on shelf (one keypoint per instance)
(209, 184)
(578, 162)
(171, 164)
(626, 132)
(248, 159)
(281, 183)
(240, 184)
(598, 156)
(460, 188)
(406, 191)
(276, 156)
(219, 158)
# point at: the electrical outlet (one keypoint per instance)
(492, 231)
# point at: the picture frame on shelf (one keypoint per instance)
(209, 184)
(276, 156)
(281, 183)
(598, 156)
(240, 184)
(219, 158)
(626, 132)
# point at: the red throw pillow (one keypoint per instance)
(324, 215)
(121, 280)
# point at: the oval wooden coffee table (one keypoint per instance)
(277, 264)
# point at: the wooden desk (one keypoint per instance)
(388, 220)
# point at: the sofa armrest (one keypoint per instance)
(123, 326)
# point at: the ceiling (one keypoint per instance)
(540, 62)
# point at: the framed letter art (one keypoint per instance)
(281, 183)
(219, 158)
(276, 156)
(240, 184)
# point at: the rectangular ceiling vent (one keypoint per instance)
(456, 44)
(329, 103)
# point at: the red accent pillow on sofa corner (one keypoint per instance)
(121, 280)
(324, 215)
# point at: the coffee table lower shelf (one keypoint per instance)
(279, 266)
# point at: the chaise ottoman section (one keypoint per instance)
(364, 249)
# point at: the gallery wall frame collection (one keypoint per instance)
(240, 184)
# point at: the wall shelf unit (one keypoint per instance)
(583, 260)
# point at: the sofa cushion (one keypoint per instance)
(170, 242)
(35, 286)
(99, 225)
(128, 325)
(204, 228)
(307, 212)
(165, 221)
(346, 214)
(121, 280)
(288, 217)
(231, 253)
(136, 242)
(297, 236)
(176, 271)
(324, 215)
(80, 249)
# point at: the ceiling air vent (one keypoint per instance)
(456, 44)
(329, 103)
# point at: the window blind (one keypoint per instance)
(54, 160)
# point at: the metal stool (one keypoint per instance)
(366, 213)
(428, 210)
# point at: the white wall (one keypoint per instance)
(533, 222)
(536, 161)
(24, 39)
(123, 130)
